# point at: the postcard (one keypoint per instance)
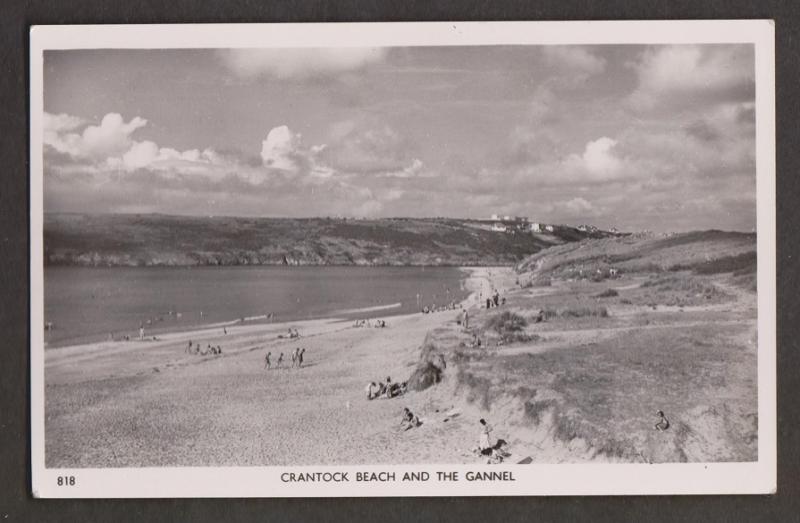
(403, 259)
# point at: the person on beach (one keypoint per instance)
(663, 422)
(267, 363)
(485, 441)
(141, 332)
(371, 390)
(294, 356)
(488, 303)
(189, 348)
(409, 420)
(280, 360)
(389, 387)
(466, 319)
(300, 357)
(224, 330)
(496, 298)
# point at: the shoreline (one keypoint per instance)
(474, 281)
(342, 314)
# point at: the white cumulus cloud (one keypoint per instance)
(280, 149)
(685, 72)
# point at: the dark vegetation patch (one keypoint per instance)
(510, 326)
(744, 263)
(575, 311)
(608, 293)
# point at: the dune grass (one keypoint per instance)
(575, 312)
(607, 395)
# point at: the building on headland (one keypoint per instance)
(499, 227)
(495, 217)
(536, 227)
(548, 228)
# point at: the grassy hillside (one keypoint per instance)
(147, 240)
(705, 252)
(580, 359)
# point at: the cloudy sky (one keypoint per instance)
(637, 137)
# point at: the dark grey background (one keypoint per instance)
(16, 504)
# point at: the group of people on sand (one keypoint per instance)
(197, 349)
(379, 324)
(385, 390)
(292, 334)
(494, 300)
(297, 359)
(487, 446)
(448, 307)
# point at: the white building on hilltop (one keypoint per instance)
(499, 227)
(536, 227)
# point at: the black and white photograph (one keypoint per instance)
(403, 259)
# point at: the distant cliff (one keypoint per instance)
(161, 240)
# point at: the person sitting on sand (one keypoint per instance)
(485, 440)
(280, 360)
(389, 387)
(371, 390)
(267, 363)
(409, 420)
(663, 422)
(219, 349)
(396, 389)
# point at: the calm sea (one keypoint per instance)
(89, 304)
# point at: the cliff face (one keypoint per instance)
(159, 240)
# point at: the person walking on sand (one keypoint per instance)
(141, 332)
(189, 348)
(485, 441)
(280, 360)
(267, 363)
(300, 357)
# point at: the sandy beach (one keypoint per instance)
(148, 403)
